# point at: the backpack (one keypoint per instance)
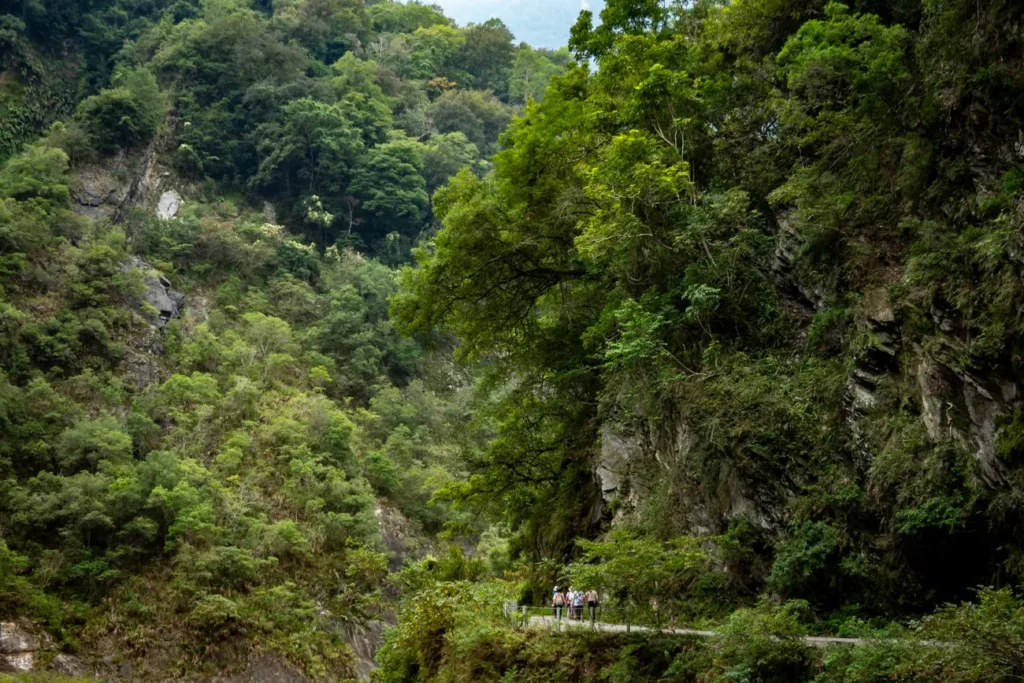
(559, 599)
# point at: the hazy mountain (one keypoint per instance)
(541, 23)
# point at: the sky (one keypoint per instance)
(541, 23)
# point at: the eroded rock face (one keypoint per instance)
(97, 194)
(68, 665)
(14, 639)
(966, 409)
(168, 205)
(878, 318)
(635, 458)
(787, 242)
(399, 535)
(18, 648)
(165, 301)
(265, 669)
(365, 641)
(617, 449)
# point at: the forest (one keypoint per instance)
(331, 328)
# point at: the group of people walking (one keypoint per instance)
(572, 602)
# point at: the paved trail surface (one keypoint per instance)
(553, 624)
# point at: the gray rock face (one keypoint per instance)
(365, 640)
(399, 535)
(168, 205)
(878, 318)
(787, 242)
(68, 665)
(19, 662)
(635, 458)
(166, 302)
(959, 407)
(266, 669)
(97, 195)
(17, 648)
(612, 469)
(13, 639)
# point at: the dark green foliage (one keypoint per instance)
(766, 254)
(390, 186)
(125, 115)
(766, 251)
(226, 462)
(486, 56)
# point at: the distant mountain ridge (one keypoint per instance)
(541, 23)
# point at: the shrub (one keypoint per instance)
(125, 115)
(215, 615)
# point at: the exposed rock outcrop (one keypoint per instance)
(113, 189)
(158, 294)
(143, 184)
(97, 194)
(264, 668)
(878, 319)
(168, 205)
(787, 242)
(966, 409)
(617, 450)
(633, 460)
(18, 648)
(400, 536)
(68, 665)
(365, 641)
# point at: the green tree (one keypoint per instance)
(390, 186)
(127, 114)
(445, 155)
(406, 17)
(531, 74)
(487, 55)
(327, 28)
(311, 149)
(642, 576)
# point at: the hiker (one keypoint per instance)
(557, 603)
(591, 598)
(577, 605)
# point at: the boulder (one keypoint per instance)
(165, 301)
(17, 648)
(14, 639)
(19, 662)
(168, 205)
(68, 665)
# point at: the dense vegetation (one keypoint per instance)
(241, 476)
(623, 261)
(756, 263)
(733, 288)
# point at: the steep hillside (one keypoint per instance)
(755, 268)
(715, 313)
(214, 446)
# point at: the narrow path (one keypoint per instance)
(551, 623)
